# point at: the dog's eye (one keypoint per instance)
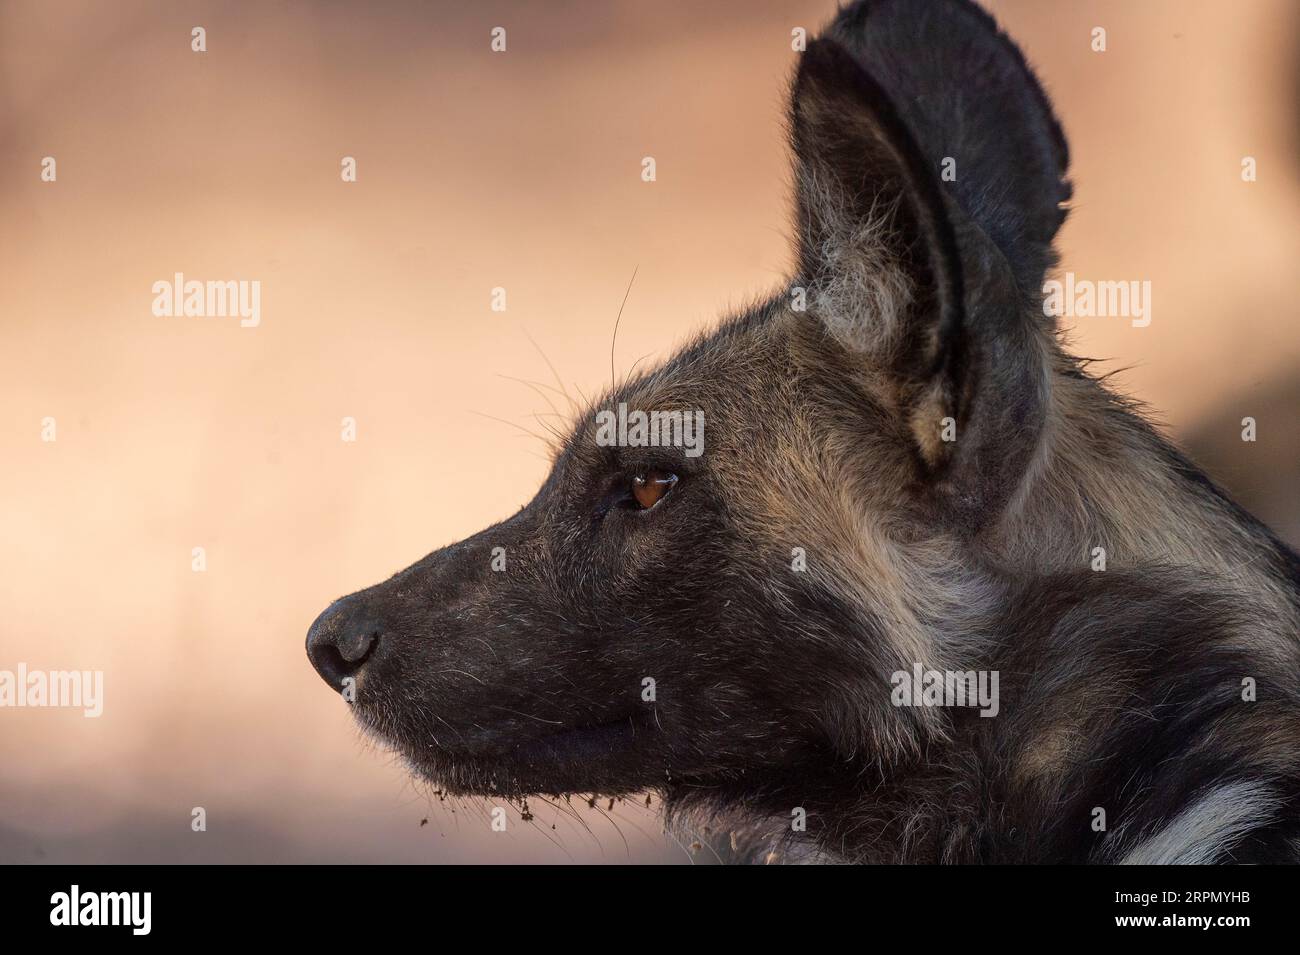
(650, 488)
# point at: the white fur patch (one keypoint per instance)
(1202, 832)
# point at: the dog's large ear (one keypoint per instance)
(930, 184)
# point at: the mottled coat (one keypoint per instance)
(902, 467)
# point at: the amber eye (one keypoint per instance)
(650, 488)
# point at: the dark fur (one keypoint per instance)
(1121, 690)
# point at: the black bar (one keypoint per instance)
(212, 903)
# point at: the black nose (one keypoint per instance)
(341, 640)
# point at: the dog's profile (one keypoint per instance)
(930, 593)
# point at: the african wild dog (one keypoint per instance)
(1162, 691)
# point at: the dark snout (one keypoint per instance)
(341, 640)
(358, 632)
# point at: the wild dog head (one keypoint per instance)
(727, 621)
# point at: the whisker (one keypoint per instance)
(554, 374)
(513, 424)
(614, 340)
(537, 386)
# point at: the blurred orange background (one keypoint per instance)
(476, 170)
